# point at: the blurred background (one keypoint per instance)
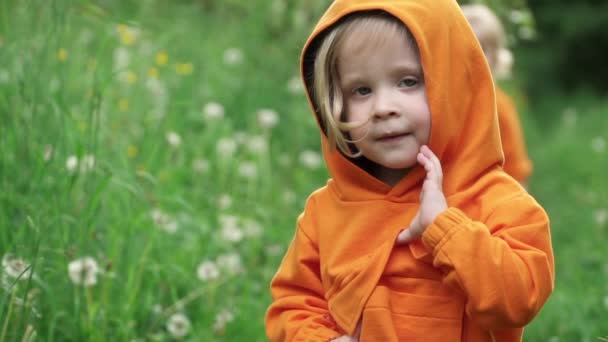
(154, 156)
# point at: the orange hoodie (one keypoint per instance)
(481, 271)
(517, 163)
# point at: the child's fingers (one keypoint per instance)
(430, 168)
(404, 237)
(432, 158)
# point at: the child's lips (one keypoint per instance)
(392, 137)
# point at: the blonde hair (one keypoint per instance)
(491, 35)
(328, 96)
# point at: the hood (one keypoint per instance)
(464, 126)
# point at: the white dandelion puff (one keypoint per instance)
(226, 147)
(570, 116)
(289, 196)
(295, 86)
(174, 139)
(71, 163)
(257, 144)
(221, 320)
(598, 144)
(84, 271)
(252, 228)
(310, 159)
(248, 170)
(231, 234)
(16, 267)
(48, 152)
(224, 201)
(200, 165)
(163, 221)
(87, 163)
(233, 56)
(178, 325)
(601, 216)
(121, 58)
(4, 77)
(274, 250)
(207, 270)
(230, 262)
(267, 118)
(213, 111)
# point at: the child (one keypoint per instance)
(489, 31)
(419, 235)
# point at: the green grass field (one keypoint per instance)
(154, 156)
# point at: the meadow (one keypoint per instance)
(154, 156)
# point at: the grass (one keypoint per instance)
(118, 85)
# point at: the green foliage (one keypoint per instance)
(571, 47)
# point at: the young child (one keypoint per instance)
(491, 36)
(419, 235)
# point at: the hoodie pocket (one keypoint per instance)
(398, 316)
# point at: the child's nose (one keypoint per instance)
(385, 105)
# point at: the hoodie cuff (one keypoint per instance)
(445, 225)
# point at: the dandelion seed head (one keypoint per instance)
(174, 139)
(273, 250)
(224, 201)
(15, 267)
(87, 163)
(48, 152)
(267, 118)
(295, 86)
(207, 271)
(257, 144)
(213, 111)
(230, 262)
(601, 216)
(598, 144)
(221, 320)
(226, 147)
(233, 56)
(310, 159)
(71, 163)
(248, 170)
(252, 228)
(178, 325)
(200, 165)
(231, 234)
(84, 271)
(122, 58)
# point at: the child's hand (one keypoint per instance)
(432, 200)
(347, 338)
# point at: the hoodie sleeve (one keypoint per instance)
(299, 311)
(504, 266)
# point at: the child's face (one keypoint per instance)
(383, 82)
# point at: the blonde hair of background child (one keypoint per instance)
(327, 92)
(491, 35)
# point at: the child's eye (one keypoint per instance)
(408, 82)
(362, 91)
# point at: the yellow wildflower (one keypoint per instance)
(153, 72)
(184, 68)
(162, 58)
(132, 151)
(123, 105)
(62, 54)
